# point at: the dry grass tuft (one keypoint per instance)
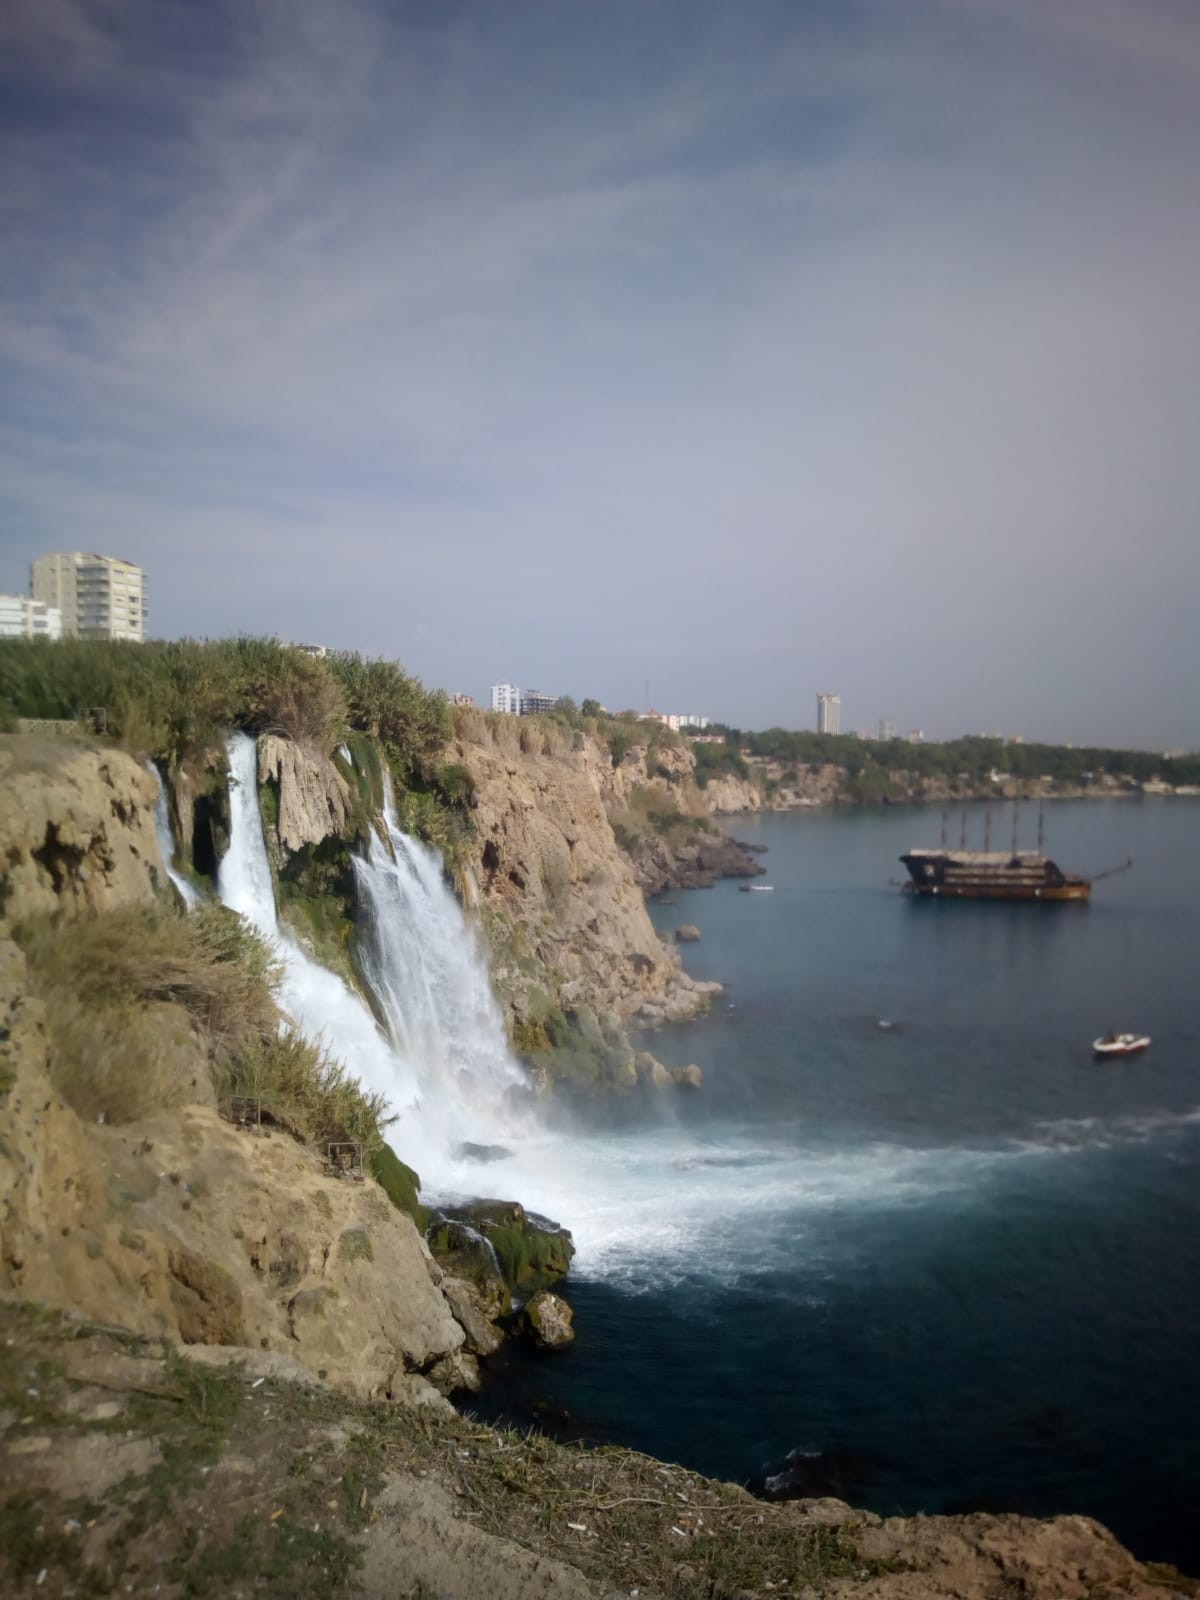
(308, 1089)
(150, 1008)
(312, 712)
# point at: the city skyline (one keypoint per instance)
(739, 351)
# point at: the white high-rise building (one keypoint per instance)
(885, 729)
(829, 713)
(506, 697)
(24, 618)
(100, 597)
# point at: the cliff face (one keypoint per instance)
(76, 829)
(561, 903)
(314, 798)
(179, 1223)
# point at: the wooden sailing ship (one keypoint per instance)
(989, 874)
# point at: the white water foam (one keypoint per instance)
(166, 841)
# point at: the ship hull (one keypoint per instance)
(991, 891)
(986, 875)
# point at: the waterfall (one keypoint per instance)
(166, 840)
(445, 1067)
(430, 977)
(313, 998)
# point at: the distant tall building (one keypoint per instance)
(100, 597)
(534, 702)
(457, 699)
(24, 618)
(829, 713)
(506, 697)
(885, 728)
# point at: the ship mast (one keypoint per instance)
(962, 832)
(943, 838)
(1016, 809)
(987, 825)
(1041, 827)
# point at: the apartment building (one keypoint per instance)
(100, 597)
(829, 713)
(534, 703)
(506, 697)
(24, 618)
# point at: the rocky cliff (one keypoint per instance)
(76, 829)
(180, 1223)
(561, 904)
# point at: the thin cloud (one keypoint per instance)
(765, 349)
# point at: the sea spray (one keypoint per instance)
(166, 840)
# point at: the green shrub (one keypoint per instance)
(171, 698)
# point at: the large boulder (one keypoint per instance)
(484, 1338)
(547, 1319)
(688, 933)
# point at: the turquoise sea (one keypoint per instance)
(947, 1264)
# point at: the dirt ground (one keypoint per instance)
(128, 1467)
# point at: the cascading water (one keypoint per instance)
(430, 977)
(166, 840)
(315, 999)
(446, 1068)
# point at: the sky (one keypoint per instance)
(711, 354)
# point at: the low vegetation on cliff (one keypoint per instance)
(149, 1009)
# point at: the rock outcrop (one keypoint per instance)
(562, 906)
(547, 1319)
(76, 829)
(314, 799)
(183, 1224)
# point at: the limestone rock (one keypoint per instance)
(465, 1301)
(547, 1318)
(530, 1251)
(314, 798)
(462, 1252)
(458, 1370)
(554, 882)
(652, 1072)
(688, 933)
(254, 1243)
(76, 829)
(208, 1304)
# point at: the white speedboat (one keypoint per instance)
(1121, 1044)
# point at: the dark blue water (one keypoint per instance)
(953, 1263)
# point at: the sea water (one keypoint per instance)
(947, 1263)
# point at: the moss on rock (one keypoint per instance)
(401, 1185)
(531, 1252)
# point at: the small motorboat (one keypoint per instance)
(758, 888)
(1121, 1044)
